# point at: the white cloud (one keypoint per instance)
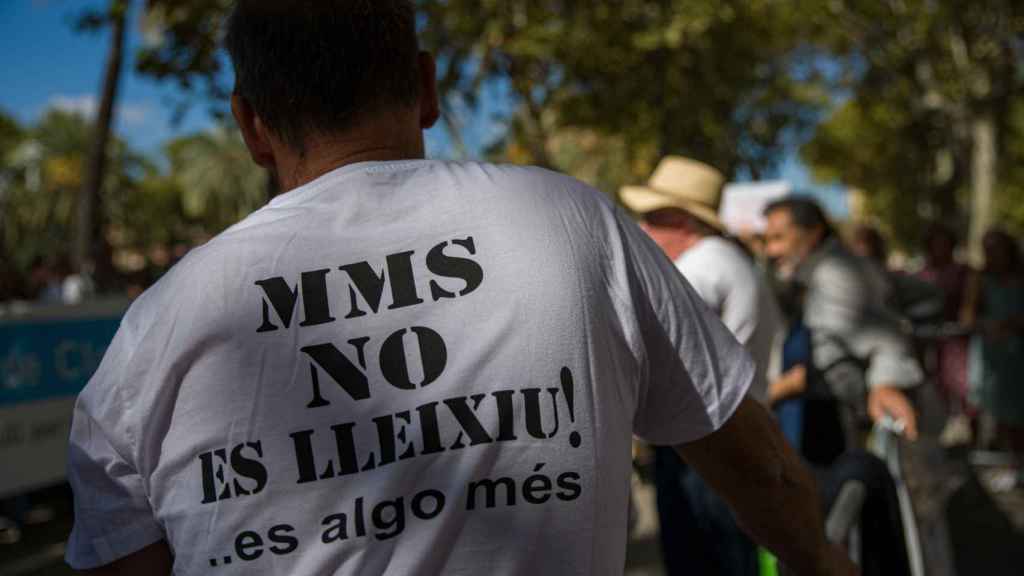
(130, 113)
(84, 104)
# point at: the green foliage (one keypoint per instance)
(865, 146)
(602, 89)
(182, 44)
(208, 183)
(47, 170)
(1010, 203)
(724, 82)
(11, 134)
(919, 75)
(218, 180)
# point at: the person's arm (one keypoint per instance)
(155, 560)
(791, 383)
(839, 297)
(891, 401)
(749, 463)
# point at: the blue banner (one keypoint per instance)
(53, 358)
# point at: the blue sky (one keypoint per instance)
(46, 63)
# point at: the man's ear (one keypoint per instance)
(430, 104)
(254, 132)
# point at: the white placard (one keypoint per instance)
(743, 204)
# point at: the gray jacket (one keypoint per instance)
(846, 313)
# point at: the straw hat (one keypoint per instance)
(682, 183)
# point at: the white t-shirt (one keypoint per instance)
(400, 368)
(728, 282)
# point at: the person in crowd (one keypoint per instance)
(942, 269)
(679, 210)
(46, 277)
(404, 366)
(857, 342)
(807, 413)
(950, 277)
(786, 390)
(995, 309)
(914, 299)
(868, 243)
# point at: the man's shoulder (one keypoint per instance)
(721, 247)
(523, 177)
(834, 261)
(535, 192)
(717, 256)
(472, 180)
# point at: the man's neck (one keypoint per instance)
(395, 135)
(318, 160)
(685, 243)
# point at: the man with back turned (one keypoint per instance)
(405, 366)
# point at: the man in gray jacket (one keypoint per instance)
(845, 311)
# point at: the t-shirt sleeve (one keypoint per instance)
(695, 373)
(113, 516)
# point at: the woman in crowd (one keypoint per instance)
(995, 309)
(942, 270)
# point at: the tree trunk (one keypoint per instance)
(88, 234)
(937, 197)
(983, 181)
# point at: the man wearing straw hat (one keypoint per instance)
(679, 210)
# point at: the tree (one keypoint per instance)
(182, 44)
(218, 181)
(206, 183)
(90, 248)
(1010, 204)
(622, 69)
(11, 135)
(947, 74)
(865, 145)
(724, 82)
(46, 173)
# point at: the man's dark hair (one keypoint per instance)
(803, 211)
(315, 66)
(872, 239)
